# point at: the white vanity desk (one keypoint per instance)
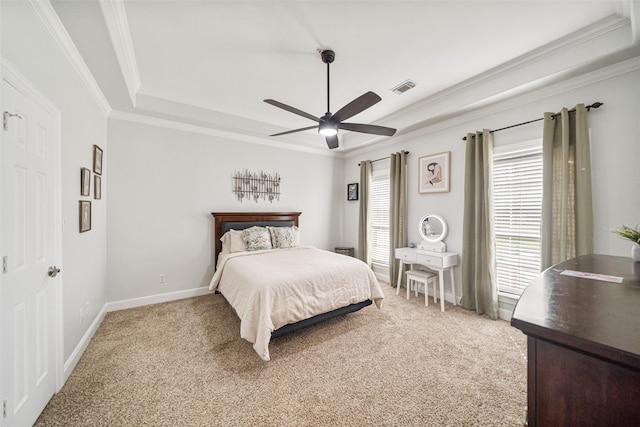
(437, 261)
(431, 253)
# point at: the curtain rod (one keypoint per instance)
(588, 107)
(382, 158)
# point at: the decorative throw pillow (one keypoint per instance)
(256, 238)
(284, 237)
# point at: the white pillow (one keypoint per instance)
(256, 238)
(232, 242)
(284, 237)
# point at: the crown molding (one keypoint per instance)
(558, 60)
(203, 130)
(474, 112)
(577, 38)
(115, 17)
(52, 22)
(634, 14)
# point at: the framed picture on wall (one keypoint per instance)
(434, 172)
(97, 187)
(85, 182)
(352, 191)
(97, 160)
(85, 215)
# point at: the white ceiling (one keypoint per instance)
(211, 63)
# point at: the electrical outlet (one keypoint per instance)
(162, 278)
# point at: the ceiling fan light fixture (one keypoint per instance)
(328, 129)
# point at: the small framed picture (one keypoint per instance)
(85, 182)
(97, 187)
(352, 191)
(97, 160)
(434, 172)
(85, 215)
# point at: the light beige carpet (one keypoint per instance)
(183, 363)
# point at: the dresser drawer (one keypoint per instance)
(429, 260)
(406, 256)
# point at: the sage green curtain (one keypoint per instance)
(363, 224)
(397, 211)
(567, 210)
(479, 289)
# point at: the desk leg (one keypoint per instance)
(453, 286)
(441, 278)
(400, 266)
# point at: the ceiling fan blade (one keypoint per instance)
(332, 141)
(374, 129)
(295, 130)
(291, 109)
(357, 106)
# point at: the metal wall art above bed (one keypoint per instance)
(256, 185)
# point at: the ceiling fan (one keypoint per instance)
(329, 124)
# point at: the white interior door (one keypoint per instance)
(29, 248)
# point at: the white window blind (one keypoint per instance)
(517, 180)
(379, 214)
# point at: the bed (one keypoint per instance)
(278, 290)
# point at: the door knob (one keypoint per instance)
(53, 271)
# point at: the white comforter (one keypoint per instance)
(271, 288)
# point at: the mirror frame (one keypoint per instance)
(441, 237)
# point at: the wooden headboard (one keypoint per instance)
(225, 221)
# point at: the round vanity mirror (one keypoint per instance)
(433, 229)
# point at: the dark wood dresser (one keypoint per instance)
(583, 344)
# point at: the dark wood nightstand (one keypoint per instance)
(345, 251)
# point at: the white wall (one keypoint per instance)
(166, 184)
(615, 144)
(29, 47)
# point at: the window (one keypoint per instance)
(380, 197)
(517, 180)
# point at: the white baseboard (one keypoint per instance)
(156, 299)
(73, 360)
(505, 314)
(506, 304)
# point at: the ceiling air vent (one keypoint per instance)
(403, 87)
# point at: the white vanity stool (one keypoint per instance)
(419, 276)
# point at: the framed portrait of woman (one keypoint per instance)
(434, 172)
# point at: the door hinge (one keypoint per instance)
(5, 119)
(4, 408)
(4, 264)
